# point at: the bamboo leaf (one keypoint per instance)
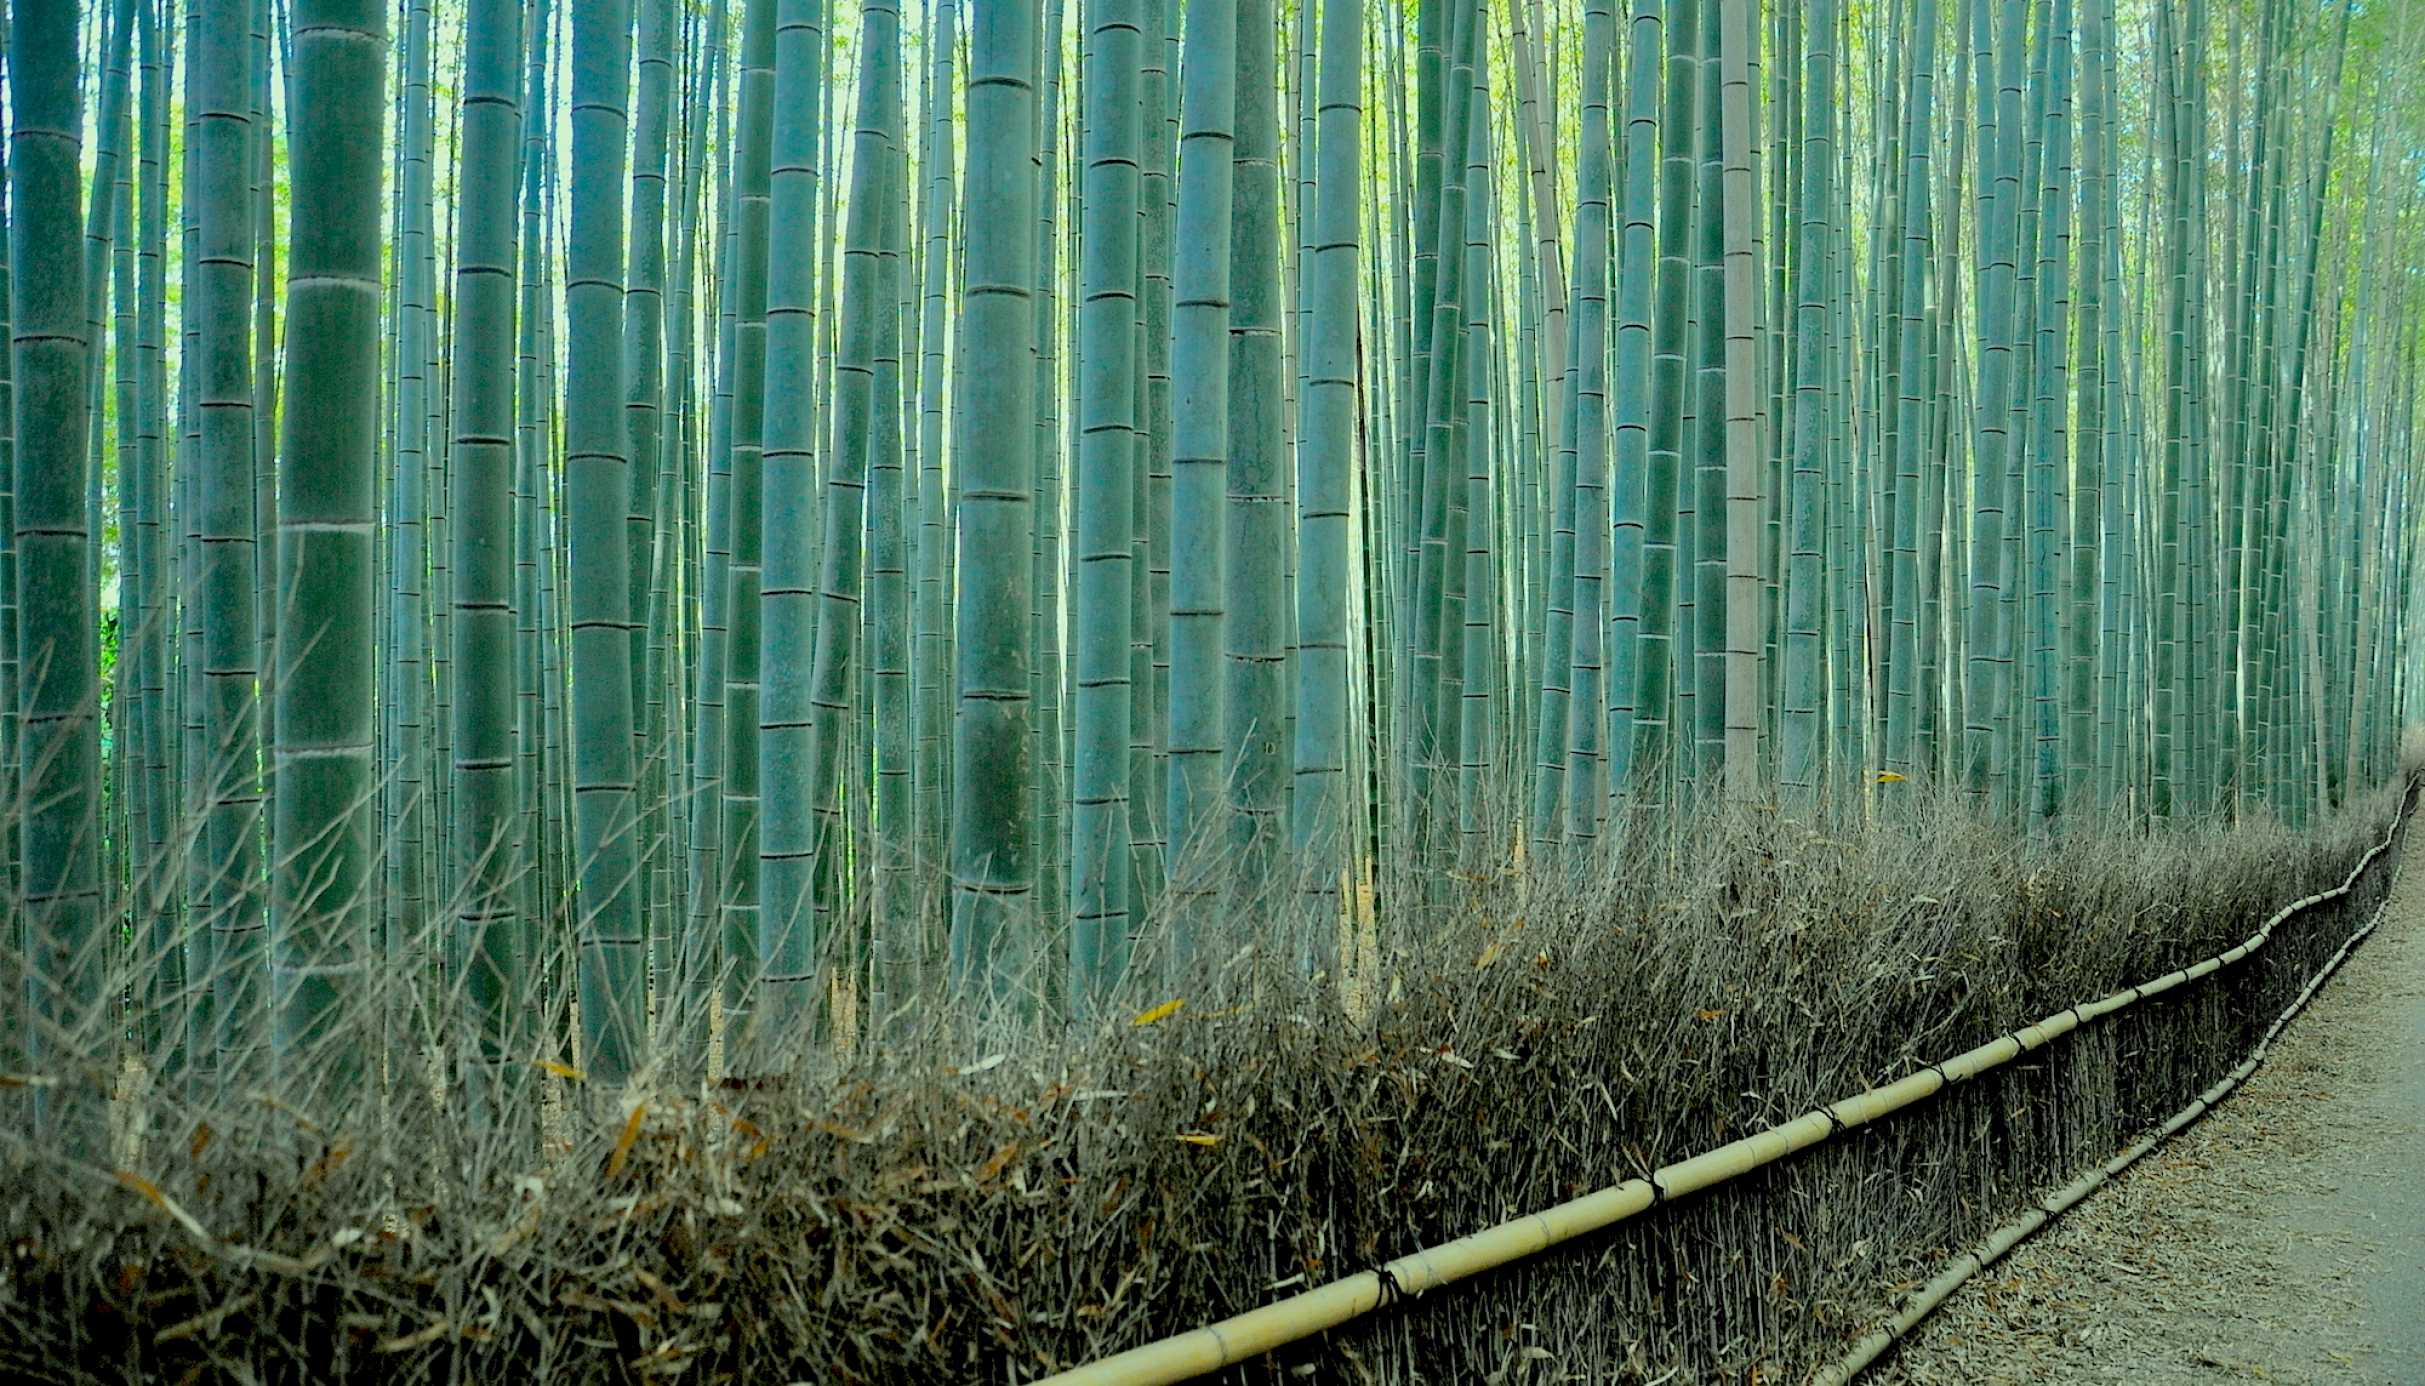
(1160, 1013)
(624, 1142)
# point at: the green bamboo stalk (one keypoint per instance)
(1107, 398)
(1428, 746)
(59, 821)
(1654, 753)
(1801, 731)
(1706, 448)
(1631, 393)
(807, 641)
(1577, 721)
(597, 465)
(644, 429)
(123, 872)
(320, 919)
(897, 964)
(127, 874)
(711, 635)
(930, 640)
(2047, 441)
(1743, 401)
(1988, 639)
(489, 855)
(11, 783)
(2171, 677)
(230, 956)
(1255, 564)
(1150, 500)
(744, 531)
(690, 808)
(1200, 418)
(535, 898)
(219, 298)
(1468, 703)
(1326, 472)
(1911, 419)
(992, 842)
(405, 666)
(1045, 559)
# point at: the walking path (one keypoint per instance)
(2281, 1239)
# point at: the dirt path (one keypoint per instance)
(2281, 1239)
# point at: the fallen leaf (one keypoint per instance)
(144, 1187)
(1162, 1012)
(998, 1163)
(757, 1138)
(624, 1143)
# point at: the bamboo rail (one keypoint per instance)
(1242, 1337)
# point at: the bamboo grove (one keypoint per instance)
(747, 516)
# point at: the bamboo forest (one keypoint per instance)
(919, 690)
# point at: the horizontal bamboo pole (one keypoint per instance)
(1940, 1288)
(1243, 1337)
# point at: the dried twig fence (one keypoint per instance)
(1934, 1294)
(1244, 1337)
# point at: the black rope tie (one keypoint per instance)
(1391, 1291)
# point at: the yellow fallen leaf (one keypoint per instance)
(1889, 777)
(1199, 1138)
(327, 1164)
(144, 1187)
(566, 1072)
(1490, 954)
(624, 1143)
(1706, 1016)
(756, 1138)
(1162, 1012)
(998, 1163)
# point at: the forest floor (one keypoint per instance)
(2280, 1239)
